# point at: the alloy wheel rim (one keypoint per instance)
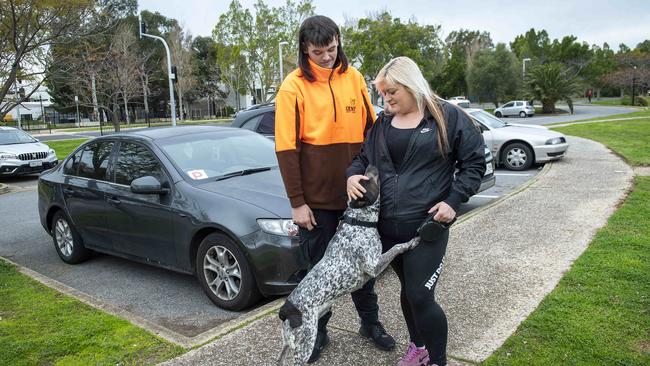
(516, 157)
(222, 272)
(63, 236)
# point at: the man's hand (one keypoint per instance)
(302, 216)
(445, 212)
(354, 188)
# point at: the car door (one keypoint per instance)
(508, 108)
(86, 181)
(141, 224)
(519, 106)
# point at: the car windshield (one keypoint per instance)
(488, 119)
(10, 137)
(218, 155)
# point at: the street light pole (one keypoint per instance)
(76, 101)
(172, 103)
(633, 80)
(281, 68)
(523, 67)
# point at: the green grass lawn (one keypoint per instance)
(608, 102)
(63, 148)
(40, 326)
(599, 314)
(629, 138)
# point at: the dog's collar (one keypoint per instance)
(352, 221)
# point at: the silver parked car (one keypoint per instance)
(519, 108)
(517, 147)
(21, 154)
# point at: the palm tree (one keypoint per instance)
(550, 83)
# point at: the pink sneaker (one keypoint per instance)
(414, 356)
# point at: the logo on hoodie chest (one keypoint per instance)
(352, 106)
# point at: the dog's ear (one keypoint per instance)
(373, 173)
(372, 189)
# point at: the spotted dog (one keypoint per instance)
(353, 256)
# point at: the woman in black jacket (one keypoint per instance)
(417, 144)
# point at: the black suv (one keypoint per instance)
(261, 119)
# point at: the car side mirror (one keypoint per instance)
(148, 185)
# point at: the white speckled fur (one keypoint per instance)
(353, 256)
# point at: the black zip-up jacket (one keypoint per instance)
(425, 177)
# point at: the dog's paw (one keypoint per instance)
(414, 242)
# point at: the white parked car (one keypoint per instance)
(517, 147)
(459, 101)
(521, 108)
(20, 153)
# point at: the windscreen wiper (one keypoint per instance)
(242, 172)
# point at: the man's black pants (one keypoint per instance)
(313, 244)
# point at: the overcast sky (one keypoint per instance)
(597, 21)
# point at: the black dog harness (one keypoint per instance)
(352, 221)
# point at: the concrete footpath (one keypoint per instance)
(500, 264)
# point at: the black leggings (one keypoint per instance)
(418, 271)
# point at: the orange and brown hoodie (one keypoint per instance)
(319, 128)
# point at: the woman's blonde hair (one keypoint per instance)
(404, 71)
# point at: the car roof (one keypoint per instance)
(6, 128)
(165, 132)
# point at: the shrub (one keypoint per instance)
(638, 101)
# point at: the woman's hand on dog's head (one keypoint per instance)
(354, 188)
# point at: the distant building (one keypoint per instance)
(30, 110)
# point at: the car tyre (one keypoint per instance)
(523, 114)
(67, 241)
(498, 114)
(225, 274)
(517, 156)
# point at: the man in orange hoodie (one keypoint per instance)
(323, 113)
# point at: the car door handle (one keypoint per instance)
(113, 201)
(68, 191)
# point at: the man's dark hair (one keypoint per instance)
(319, 31)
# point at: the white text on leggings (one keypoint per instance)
(434, 278)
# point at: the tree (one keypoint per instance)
(602, 63)
(255, 38)
(180, 47)
(27, 29)
(460, 46)
(493, 75)
(533, 44)
(549, 83)
(375, 40)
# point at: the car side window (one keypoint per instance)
(135, 161)
(520, 104)
(72, 164)
(267, 124)
(94, 160)
(251, 124)
(508, 105)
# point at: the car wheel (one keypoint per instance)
(498, 114)
(522, 114)
(67, 241)
(225, 274)
(517, 156)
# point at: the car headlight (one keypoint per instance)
(282, 227)
(7, 156)
(555, 141)
(51, 152)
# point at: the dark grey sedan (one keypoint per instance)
(202, 200)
